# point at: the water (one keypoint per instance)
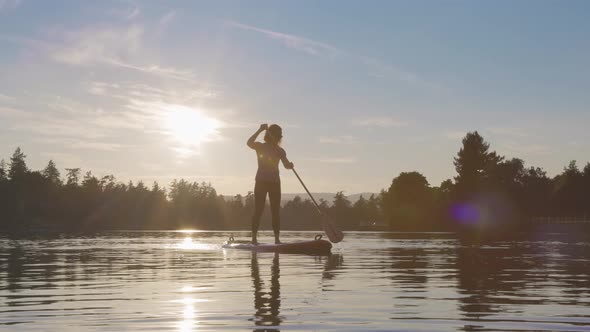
(173, 281)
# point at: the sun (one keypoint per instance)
(190, 127)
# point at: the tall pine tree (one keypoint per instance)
(18, 166)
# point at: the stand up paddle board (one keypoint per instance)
(313, 247)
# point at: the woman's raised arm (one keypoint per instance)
(252, 138)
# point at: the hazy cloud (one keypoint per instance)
(128, 13)
(98, 44)
(84, 145)
(80, 144)
(376, 68)
(11, 112)
(9, 4)
(520, 148)
(164, 22)
(67, 159)
(303, 44)
(175, 94)
(69, 123)
(168, 72)
(59, 128)
(454, 134)
(337, 140)
(112, 45)
(508, 131)
(345, 160)
(382, 121)
(4, 98)
(380, 69)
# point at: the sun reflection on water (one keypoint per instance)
(189, 244)
(189, 322)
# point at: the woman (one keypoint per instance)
(267, 177)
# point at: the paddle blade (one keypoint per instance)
(333, 233)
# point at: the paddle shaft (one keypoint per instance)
(333, 233)
(310, 195)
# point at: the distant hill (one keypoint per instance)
(329, 197)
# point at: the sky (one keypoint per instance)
(156, 90)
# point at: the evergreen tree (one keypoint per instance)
(108, 182)
(568, 191)
(18, 166)
(359, 210)
(91, 183)
(157, 190)
(2, 170)
(340, 201)
(340, 211)
(73, 176)
(323, 204)
(446, 186)
(474, 165)
(373, 209)
(586, 190)
(52, 173)
(537, 191)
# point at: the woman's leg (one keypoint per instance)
(260, 191)
(274, 196)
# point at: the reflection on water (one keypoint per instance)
(173, 281)
(267, 302)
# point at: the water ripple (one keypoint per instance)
(184, 281)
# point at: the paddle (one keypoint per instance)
(334, 234)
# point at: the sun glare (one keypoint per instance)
(190, 127)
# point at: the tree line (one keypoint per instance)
(489, 192)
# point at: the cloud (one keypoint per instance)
(93, 45)
(128, 13)
(164, 22)
(345, 160)
(81, 144)
(110, 45)
(454, 134)
(382, 122)
(70, 160)
(84, 145)
(168, 72)
(101, 88)
(28, 42)
(337, 140)
(303, 44)
(379, 69)
(376, 68)
(72, 124)
(69, 123)
(5, 98)
(11, 112)
(59, 127)
(508, 131)
(104, 45)
(133, 13)
(534, 149)
(9, 4)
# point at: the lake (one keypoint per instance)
(184, 281)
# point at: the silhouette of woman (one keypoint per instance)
(267, 177)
